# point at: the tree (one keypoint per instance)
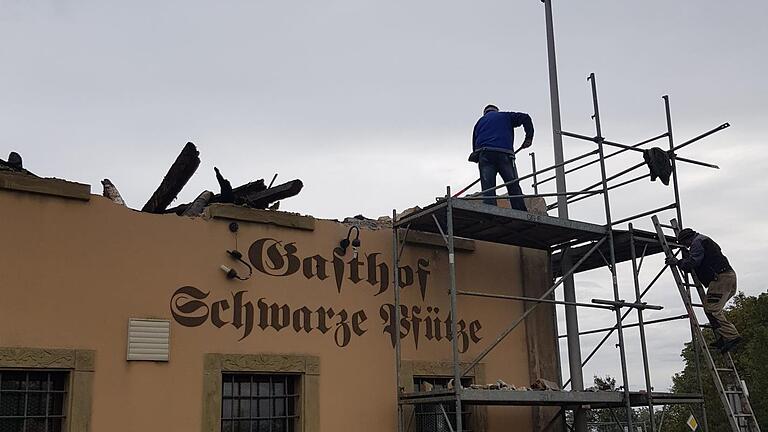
(750, 315)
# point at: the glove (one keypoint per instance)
(527, 143)
(671, 261)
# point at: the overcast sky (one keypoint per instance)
(371, 104)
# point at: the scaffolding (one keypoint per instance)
(586, 245)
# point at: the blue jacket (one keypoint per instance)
(495, 131)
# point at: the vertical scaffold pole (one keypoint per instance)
(569, 288)
(454, 311)
(396, 323)
(678, 208)
(641, 326)
(608, 222)
(554, 96)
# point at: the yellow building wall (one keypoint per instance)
(73, 272)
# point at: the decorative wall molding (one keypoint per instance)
(263, 363)
(85, 360)
(20, 357)
(438, 368)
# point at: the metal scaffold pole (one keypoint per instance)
(569, 288)
(396, 322)
(454, 311)
(641, 326)
(678, 208)
(612, 253)
(554, 96)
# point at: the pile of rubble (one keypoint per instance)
(383, 222)
(539, 384)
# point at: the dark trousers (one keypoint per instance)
(492, 163)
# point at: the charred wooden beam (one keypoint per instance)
(179, 209)
(241, 194)
(111, 192)
(253, 194)
(226, 195)
(198, 205)
(178, 175)
(261, 200)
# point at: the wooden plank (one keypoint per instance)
(45, 186)
(245, 214)
(178, 175)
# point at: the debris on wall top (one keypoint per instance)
(14, 164)
(255, 194)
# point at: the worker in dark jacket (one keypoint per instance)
(492, 142)
(712, 268)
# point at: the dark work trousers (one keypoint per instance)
(492, 163)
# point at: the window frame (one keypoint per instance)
(449, 407)
(305, 367)
(294, 379)
(411, 369)
(80, 366)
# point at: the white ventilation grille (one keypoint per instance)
(148, 339)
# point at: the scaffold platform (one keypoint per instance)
(475, 220)
(566, 399)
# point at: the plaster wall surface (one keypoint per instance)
(73, 272)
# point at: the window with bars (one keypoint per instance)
(430, 417)
(259, 402)
(32, 401)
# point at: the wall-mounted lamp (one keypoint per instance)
(232, 273)
(344, 243)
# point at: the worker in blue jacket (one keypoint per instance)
(705, 259)
(492, 149)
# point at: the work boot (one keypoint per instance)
(730, 345)
(718, 344)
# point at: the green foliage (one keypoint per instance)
(750, 316)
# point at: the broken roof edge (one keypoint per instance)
(247, 214)
(55, 187)
(50, 186)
